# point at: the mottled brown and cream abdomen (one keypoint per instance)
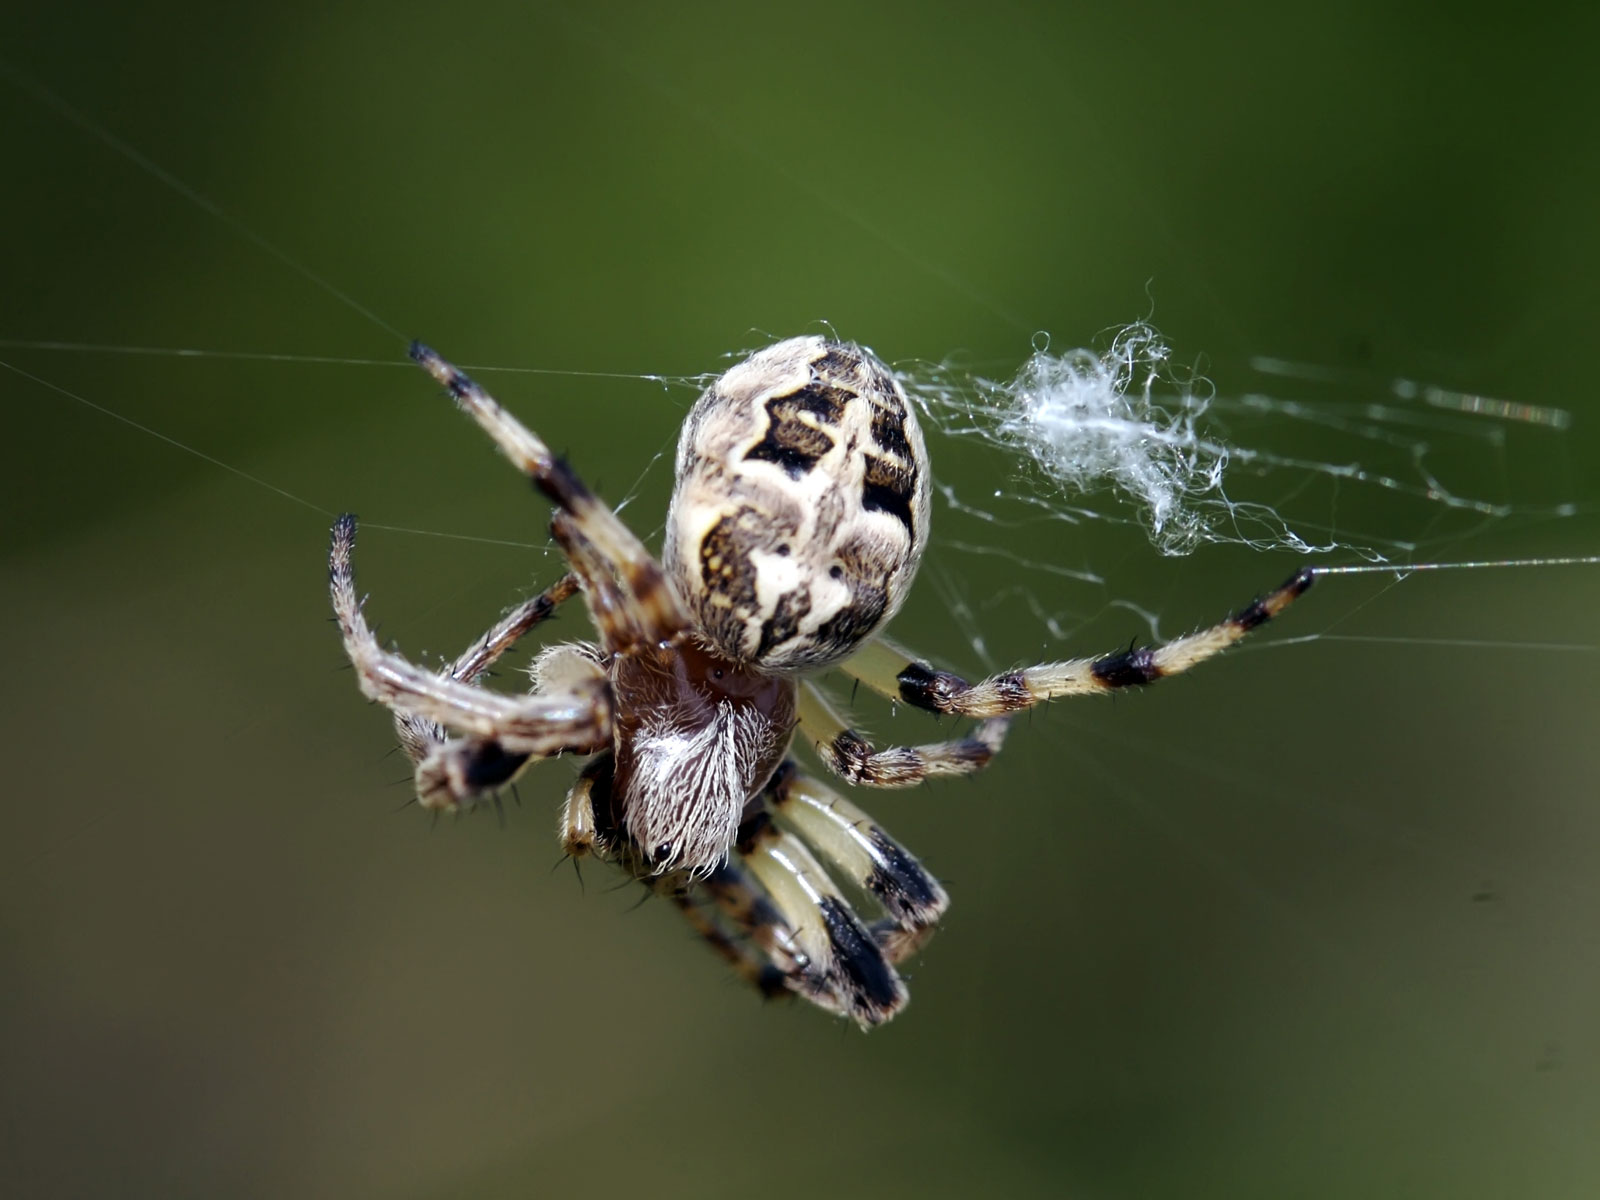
(801, 506)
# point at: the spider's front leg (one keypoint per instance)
(892, 673)
(418, 736)
(501, 733)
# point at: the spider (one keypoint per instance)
(798, 518)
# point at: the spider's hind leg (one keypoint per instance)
(860, 849)
(726, 908)
(635, 606)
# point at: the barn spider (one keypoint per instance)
(799, 515)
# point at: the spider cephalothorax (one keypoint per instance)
(799, 516)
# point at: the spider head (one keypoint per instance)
(801, 506)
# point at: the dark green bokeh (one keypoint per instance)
(1317, 922)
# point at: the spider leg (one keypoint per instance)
(850, 756)
(620, 621)
(749, 964)
(854, 844)
(419, 736)
(778, 899)
(503, 732)
(654, 614)
(893, 673)
(773, 914)
(761, 947)
(843, 967)
(581, 832)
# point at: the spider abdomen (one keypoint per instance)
(801, 506)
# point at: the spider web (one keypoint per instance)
(1121, 434)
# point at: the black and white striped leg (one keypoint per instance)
(771, 911)
(892, 673)
(418, 736)
(727, 907)
(746, 907)
(847, 971)
(654, 614)
(740, 955)
(860, 850)
(850, 756)
(501, 732)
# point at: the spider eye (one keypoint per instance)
(717, 673)
(836, 571)
(783, 550)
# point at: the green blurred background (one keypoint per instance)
(1318, 921)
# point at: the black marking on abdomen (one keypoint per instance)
(825, 403)
(840, 364)
(889, 431)
(784, 623)
(793, 443)
(853, 623)
(889, 488)
(795, 460)
(1131, 668)
(731, 576)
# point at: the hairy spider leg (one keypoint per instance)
(417, 736)
(753, 935)
(740, 955)
(860, 850)
(892, 673)
(847, 966)
(502, 732)
(745, 905)
(652, 614)
(581, 836)
(777, 896)
(770, 911)
(850, 756)
(615, 613)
